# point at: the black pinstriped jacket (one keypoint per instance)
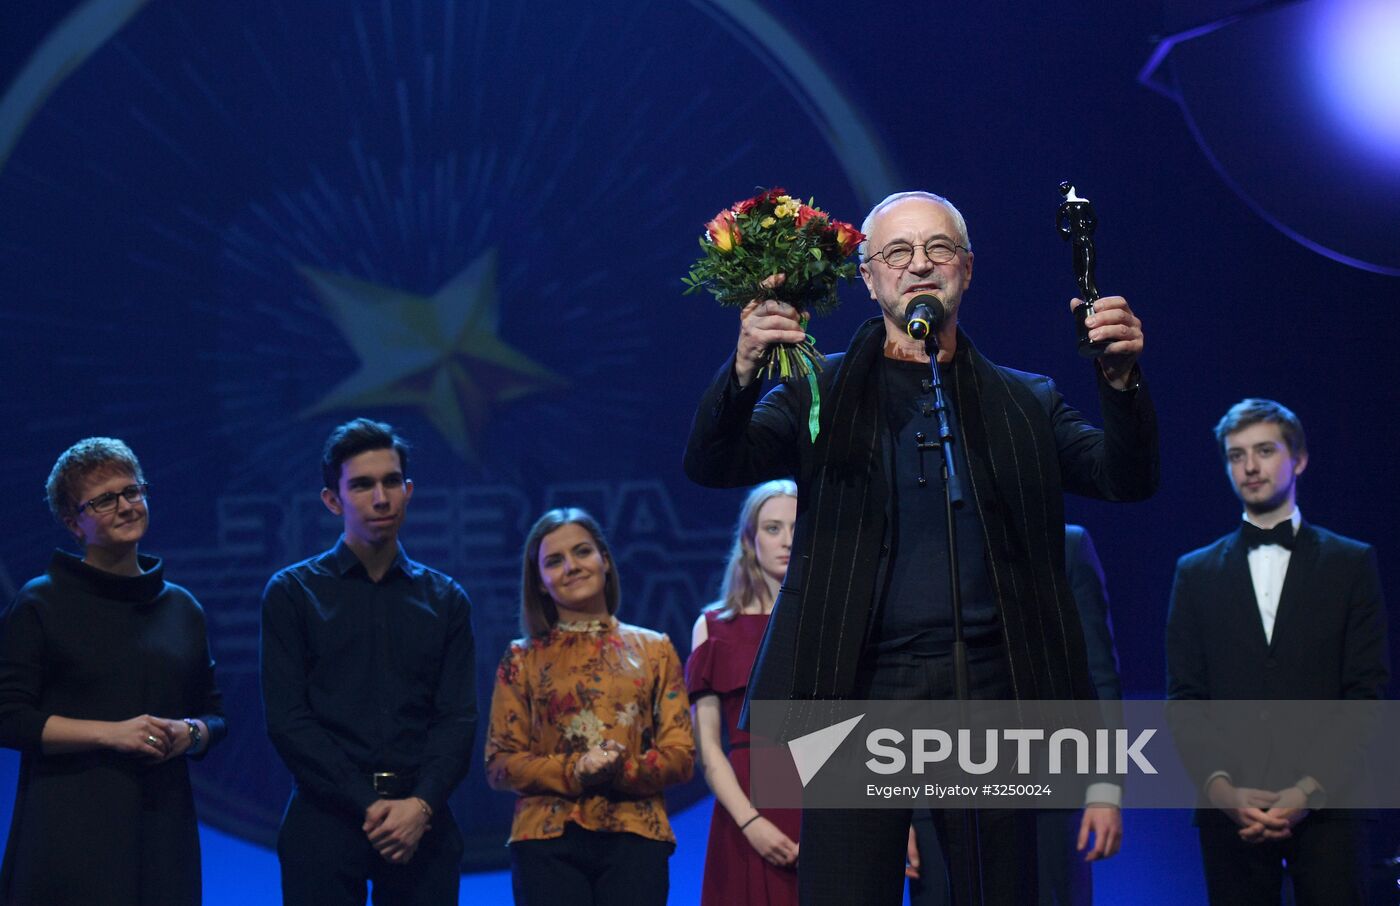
(1024, 447)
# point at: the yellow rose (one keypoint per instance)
(767, 222)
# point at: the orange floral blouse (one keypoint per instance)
(557, 696)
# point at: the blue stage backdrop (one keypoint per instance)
(225, 228)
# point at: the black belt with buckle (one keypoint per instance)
(391, 784)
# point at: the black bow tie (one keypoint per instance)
(1281, 534)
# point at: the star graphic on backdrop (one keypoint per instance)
(440, 354)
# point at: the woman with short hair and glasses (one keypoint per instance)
(106, 685)
(589, 725)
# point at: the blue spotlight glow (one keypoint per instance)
(1356, 64)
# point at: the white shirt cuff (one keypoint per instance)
(1205, 787)
(1104, 794)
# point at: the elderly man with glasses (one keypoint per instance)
(869, 554)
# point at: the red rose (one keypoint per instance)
(847, 237)
(773, 194)
(743, 207)
(806, 214)
(724, 231)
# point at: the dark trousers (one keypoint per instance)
(590, 868)
(852, 856)
(327, 860)
(1324, 860)
(1065, 878)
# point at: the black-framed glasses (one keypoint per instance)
(106, 503)
(900, 255)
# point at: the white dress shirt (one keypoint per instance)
(1268, 565)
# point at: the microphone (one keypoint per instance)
(923, 316)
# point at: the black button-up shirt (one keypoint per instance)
(361, 676)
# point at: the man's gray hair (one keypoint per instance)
(897, 197)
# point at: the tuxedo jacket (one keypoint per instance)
(1024, 445)
(1328, 642)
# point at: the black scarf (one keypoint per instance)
(1014, 482)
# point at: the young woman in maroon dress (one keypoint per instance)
(752, 856)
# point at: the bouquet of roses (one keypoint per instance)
(773, 233)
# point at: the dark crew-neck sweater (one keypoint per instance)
(915, 601)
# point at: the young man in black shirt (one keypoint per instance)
(369, 690)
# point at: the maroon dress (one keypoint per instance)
(735, 874)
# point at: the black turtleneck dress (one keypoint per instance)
(100, 826)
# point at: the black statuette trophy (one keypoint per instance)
(1076, 221)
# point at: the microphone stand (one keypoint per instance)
(953, 500)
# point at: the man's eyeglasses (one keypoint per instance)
(106, 503)
(900, 255)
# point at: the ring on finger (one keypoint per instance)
(151, 740)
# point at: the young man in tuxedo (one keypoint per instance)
(1276, 609)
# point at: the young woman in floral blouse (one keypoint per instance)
(589, 723)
